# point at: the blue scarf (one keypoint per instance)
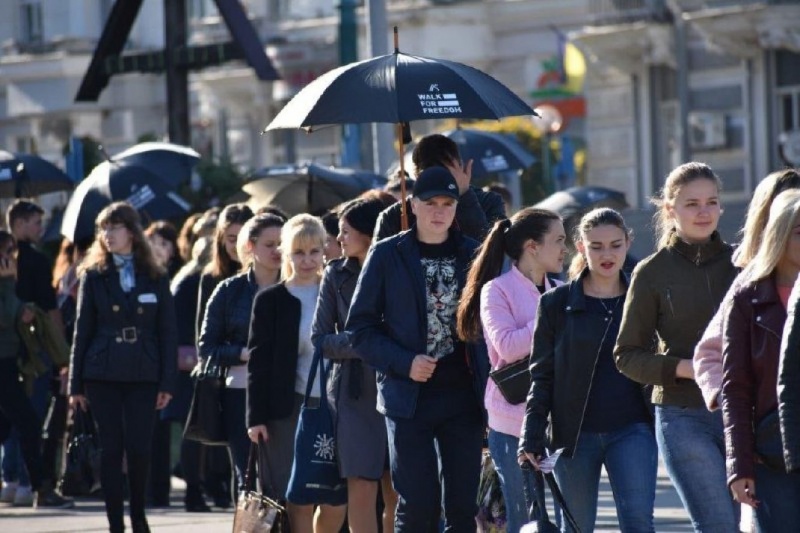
(127, 276)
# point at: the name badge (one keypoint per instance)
(148, 298)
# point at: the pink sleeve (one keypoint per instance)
(510, 341)
(708, 360)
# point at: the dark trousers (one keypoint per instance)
(125, 414)
(55, 429)
(234, 403)
(446, 431)
(17, 412)
(160, 464)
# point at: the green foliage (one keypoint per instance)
(92, 154)
(220, 180)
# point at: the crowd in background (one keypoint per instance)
(693, 355)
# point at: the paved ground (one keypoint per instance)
(89, 516)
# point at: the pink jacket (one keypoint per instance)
(508, 313)
(707, 361)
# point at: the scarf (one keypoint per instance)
(127, 277)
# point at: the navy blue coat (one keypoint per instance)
(388, 323)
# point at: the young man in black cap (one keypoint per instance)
(402, 321)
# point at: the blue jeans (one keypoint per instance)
(503, 448)
(692, 443)
(779, 494)
(631, 460)
(446, 430)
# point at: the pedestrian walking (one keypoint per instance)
(16, 409)
(361, 447)
(753, 325)
(789, 385)
(673, 295)
(223, 337)
(124, 355)
(501, 308)
(599, 417)
(280, 356)
(707, 361)
(402, 322)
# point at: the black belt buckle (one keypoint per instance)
(129, 335)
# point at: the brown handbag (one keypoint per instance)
(256, 512)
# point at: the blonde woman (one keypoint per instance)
(280, 357)
(672, 297)
(753, 327)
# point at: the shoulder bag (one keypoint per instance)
(513, 380)
(204, 423)
(255, 511)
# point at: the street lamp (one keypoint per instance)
(548, 123)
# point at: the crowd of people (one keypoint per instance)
(693, 355)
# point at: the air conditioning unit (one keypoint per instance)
(707, 130)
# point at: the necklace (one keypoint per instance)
(610, 311)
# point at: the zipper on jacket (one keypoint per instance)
(697, 257)
(669, 301)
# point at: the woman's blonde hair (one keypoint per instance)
(782, 216)
(250, 233)
(758, 212)
(680, 176)
(299, 231)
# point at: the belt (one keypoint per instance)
(129, 335)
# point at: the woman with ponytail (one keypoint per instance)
(595, 414)
(506, 306)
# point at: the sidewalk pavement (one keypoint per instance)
(89, 515)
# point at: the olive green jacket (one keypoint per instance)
(673, 295)
(9, 313)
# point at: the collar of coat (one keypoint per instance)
(697, 253)
(576, 301)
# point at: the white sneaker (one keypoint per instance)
(23, 497)
(8, 492)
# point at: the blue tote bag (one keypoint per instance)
(315, 472)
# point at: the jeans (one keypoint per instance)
(17, 412)
(779, 494)
(692, 443)
(234, 402)
(125, 414)
(446, 430)
(503, 448)
(631, 460)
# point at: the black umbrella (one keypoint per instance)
(145, 191)
(490, 152)
(30, 175)
(172, 163)
(399, 88)
(575, 201)
(309, 188)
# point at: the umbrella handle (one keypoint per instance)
(401, 152)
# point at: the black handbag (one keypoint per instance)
(204, 422)
(81, 476)
(769, 446)
(257, 512)
(513, 380)
(537, 507)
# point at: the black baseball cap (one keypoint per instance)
(435, 181)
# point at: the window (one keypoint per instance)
(31, 21)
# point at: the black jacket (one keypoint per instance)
(227, 320)
(789, 384)
(566, 344)
(273, 345)
(124, 337)
(185, 293)
(208, 283)
(476, 211)
(388, 325)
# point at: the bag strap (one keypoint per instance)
(259, 455)
(559, 497)
(317, 363)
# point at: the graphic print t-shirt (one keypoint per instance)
(442, 294)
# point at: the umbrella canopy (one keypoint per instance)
(310, 188)
(145, 191)
(30, 175)
(399, 88)
(172, 163)
(575, 201)
(490, 152)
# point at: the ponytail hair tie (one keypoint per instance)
(505, 224)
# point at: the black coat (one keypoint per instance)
(789, 384)
(566, 343)
(124, 337)
(273, 343)
(227, 320)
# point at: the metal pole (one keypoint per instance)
(348, 53)
(682, 78)
(175, 38)
(378, 35)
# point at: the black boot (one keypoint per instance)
(139, 525)
(194, 501)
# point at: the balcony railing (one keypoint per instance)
(604, 12)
